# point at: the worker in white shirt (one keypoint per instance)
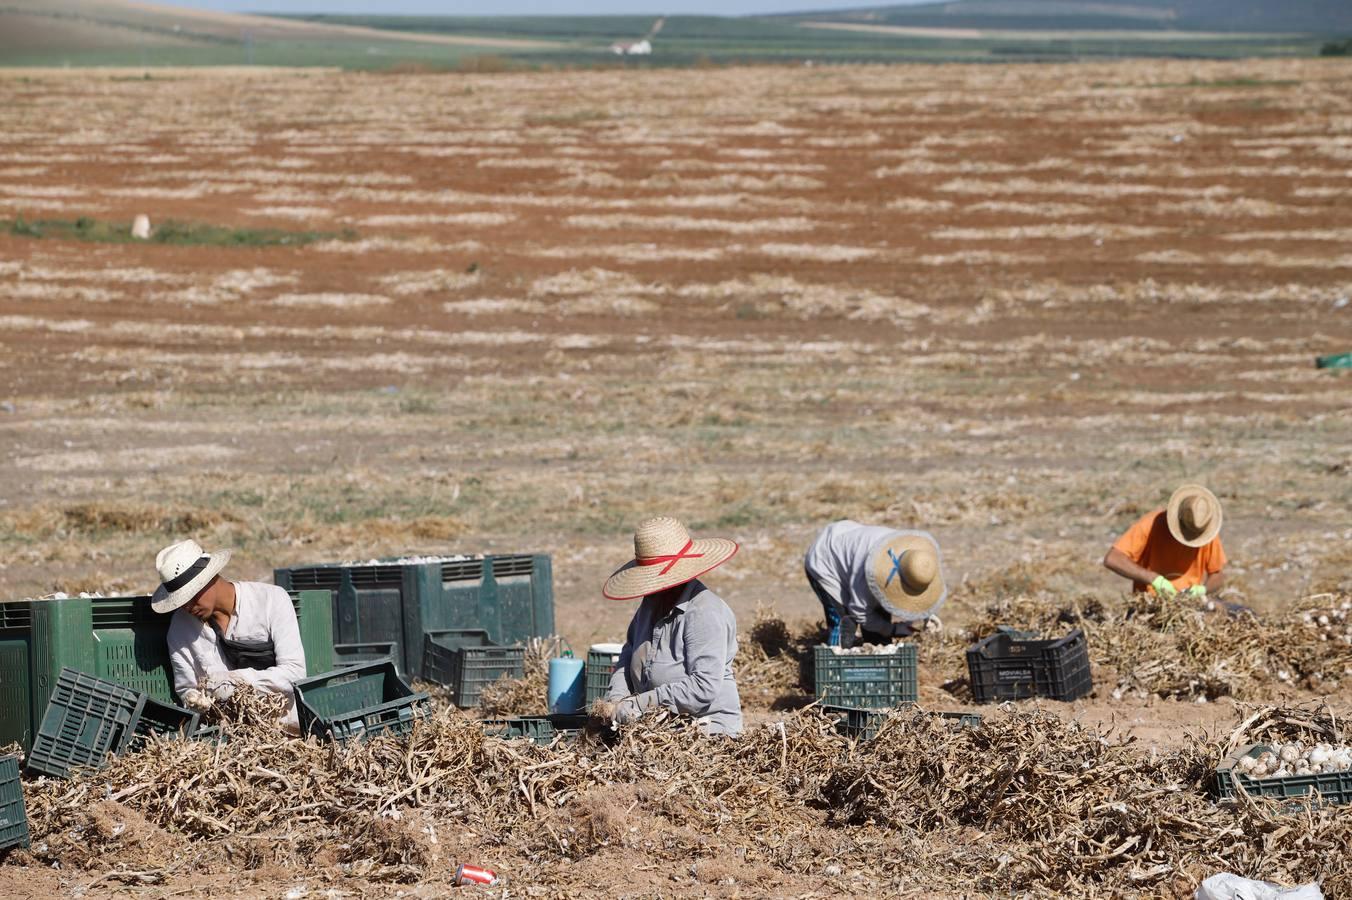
(226, 633)
(885, 582)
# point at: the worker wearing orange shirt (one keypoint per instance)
(1176, 549)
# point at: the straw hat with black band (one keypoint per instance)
(664, 556)
(905, 575)
(1194, 516)
(184, 568)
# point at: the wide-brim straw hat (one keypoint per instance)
(1194, 515)
(664, 556)
(184, 570)
(906, 575)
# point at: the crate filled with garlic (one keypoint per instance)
(1287, 770)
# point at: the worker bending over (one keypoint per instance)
(1174, 549)
(867, 576)
(226, 633)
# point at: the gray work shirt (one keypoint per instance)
(686, 666)
(839, 559)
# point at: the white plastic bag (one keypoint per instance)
(1227, 886)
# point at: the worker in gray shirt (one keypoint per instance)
(681, 642)
(883, 581)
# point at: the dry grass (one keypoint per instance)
(1024, 803)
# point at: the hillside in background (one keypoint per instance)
(120, 32)
(1322, 17)
(126, 33)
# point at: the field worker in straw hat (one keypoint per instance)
(226, 633)
(868, 575)
(681, 642)
(1174, 549)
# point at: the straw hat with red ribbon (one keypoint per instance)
(664, 556)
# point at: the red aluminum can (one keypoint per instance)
(467, 874)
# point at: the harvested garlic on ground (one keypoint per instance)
(1289, 754)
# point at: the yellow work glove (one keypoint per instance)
(1164, 588)
(1197, 592)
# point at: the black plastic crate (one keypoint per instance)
(358, 702)
(1006, 666)
(1331, 787)
(13, 816)
(865, 680)
(466, 661)
(540, 729)
(864, 724)
(347, 655)
(86, 719)
(210, 734)
(600, 666)
(156, 719)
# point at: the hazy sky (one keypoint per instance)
(534, 7)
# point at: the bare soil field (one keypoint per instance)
(1015, 306)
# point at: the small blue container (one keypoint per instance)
(567, 685)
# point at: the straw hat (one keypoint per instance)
(665, 556)
(1194, 515)
(905, 574)
(184, 570)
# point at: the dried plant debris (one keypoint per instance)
(1025, 802)
(1177, 649)
(524, 696)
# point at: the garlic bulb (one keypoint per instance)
(1294, 758)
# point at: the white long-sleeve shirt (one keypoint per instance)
(262, 612)
(839, 559)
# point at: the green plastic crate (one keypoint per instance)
(359, 702)
(540, 729)
(156, 719)
(1332, 787)
(347, 655)
(13, 816)
(118, 638)
(466, 661)
(1334, 361)
(86, 719)
(864, 724)
(509, 596)
(865, 680)
(600, 666)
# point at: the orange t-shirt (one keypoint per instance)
(1149, 544)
